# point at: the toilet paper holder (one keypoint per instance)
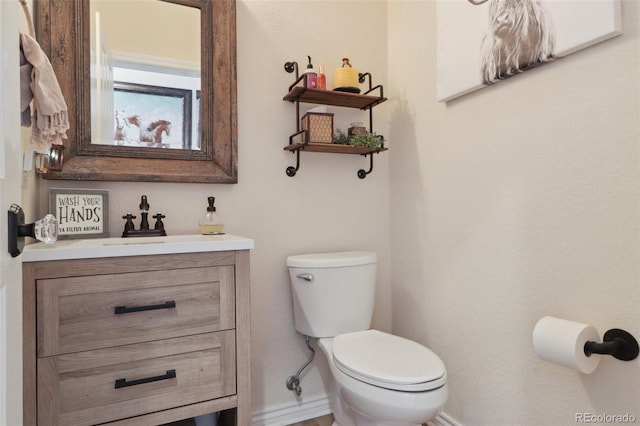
(615, 342)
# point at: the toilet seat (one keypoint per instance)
(388, 361)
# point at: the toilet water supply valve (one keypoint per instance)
(293, 382)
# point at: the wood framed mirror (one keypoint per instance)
(63, 31)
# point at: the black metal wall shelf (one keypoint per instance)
(300, 93)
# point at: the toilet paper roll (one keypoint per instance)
(562, 342)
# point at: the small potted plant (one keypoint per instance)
(363, 139)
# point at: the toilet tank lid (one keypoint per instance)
(332, 260)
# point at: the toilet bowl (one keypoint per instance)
(378, 379)
(399, 382)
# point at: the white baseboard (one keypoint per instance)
(287, 414)
(443, 420)
(291, 413)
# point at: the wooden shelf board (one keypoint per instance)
(333, 148)
(331, 97)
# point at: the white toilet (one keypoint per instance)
(378, 379)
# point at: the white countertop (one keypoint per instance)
(133, 246)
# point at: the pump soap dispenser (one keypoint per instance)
(311, 75)
(210, 223)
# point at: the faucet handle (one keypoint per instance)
(158, 217)
(128, 226)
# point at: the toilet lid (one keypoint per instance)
(388, 361)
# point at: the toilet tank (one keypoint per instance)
(333, 293)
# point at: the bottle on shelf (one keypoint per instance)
(311, 75)
(322, 78)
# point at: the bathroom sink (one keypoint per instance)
(150, 240)
(130, 243)
(133, 241)
(107, 242)
(136, 246)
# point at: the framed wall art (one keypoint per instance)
(482, 42)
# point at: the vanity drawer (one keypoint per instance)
(88, 387)
(83, 313)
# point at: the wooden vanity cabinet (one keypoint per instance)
(139, 340)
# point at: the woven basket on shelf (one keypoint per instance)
(318, 126)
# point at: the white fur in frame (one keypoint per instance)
(462, 25)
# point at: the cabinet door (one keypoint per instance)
(90, 312)
(110, 384)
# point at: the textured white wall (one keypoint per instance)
(324, 207)
(517, 201)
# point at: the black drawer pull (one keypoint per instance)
(122, 383)
(124, 310)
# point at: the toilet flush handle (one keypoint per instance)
(306, 277)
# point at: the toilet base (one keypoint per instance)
(412, 408)
(362, 421)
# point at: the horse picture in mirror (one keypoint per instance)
(146, 115)
(152, 133)
(131, 131)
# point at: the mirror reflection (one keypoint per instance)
(145, 74)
